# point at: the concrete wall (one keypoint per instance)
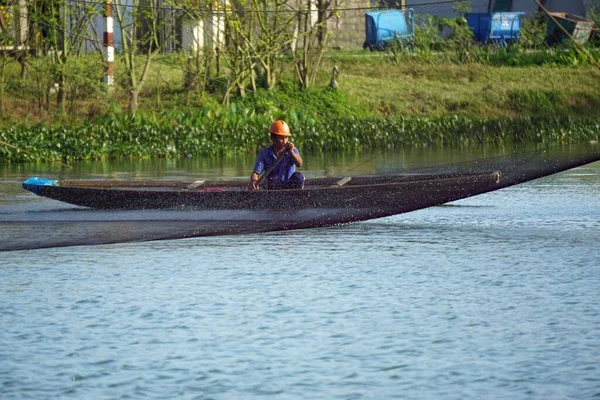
(347, 32)
(443, 9)
(576, 7)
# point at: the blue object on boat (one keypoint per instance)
(500, 27)
(36, 184)
(381, 26)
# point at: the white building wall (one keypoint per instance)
(192, 35)
(20, 24)
(206, 31)
(215, 31)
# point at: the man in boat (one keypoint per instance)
(278, 162)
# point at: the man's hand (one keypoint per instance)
(254, 182)
(295, 157)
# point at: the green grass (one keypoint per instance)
(476, 90)
(369, 86)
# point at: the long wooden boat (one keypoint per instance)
(125, 211)
(384, 195)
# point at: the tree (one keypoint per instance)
(258, 33)
(274, 38)
(312, 38)
(62, 29)
(6, 39)
(141, 24)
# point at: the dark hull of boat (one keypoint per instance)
(381, 194)
(393, 195)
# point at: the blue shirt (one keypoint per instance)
(283, 171)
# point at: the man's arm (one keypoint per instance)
(259, 167)
(294, 154)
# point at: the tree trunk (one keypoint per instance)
(21, 56)
(2, 82)
(133, 100)
(61, 95)
(322, 21)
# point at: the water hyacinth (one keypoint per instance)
(243, 132)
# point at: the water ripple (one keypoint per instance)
(495, 298)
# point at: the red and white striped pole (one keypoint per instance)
(108, 44)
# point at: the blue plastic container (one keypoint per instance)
(500, 27)
(381, 26)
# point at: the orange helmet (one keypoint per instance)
(280, 128)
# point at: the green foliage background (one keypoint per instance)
(431, 91)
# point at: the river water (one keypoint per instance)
(494, 296)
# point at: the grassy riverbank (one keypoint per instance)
(474, 90)
(369, 85)
(380, 102)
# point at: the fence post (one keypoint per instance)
(109, 50)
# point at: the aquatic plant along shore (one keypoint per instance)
(213, 134)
